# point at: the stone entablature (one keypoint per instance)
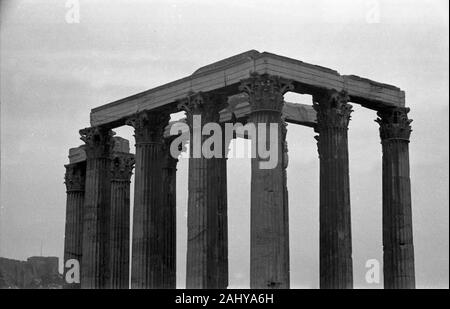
(226, 75)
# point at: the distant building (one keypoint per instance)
(37, 272)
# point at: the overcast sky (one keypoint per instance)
(53, 73)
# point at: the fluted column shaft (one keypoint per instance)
(207, 260)
(333, 115)
(73, 240)
(398, 249)
(121, 169)
(148, 221)
(269, 252)
(168, 212)
(95, 272)
(222, 220)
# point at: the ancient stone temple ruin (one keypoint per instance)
(248, 88)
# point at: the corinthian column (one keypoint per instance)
(398, 249)
(207, 264)
(333, 116)
(73, 240)
(95, 263)
(269, 252)
(121, 170)
(149, 235)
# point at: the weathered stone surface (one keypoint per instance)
(95, 272)
(227, 74)
(77, 155)
(207, 260)
(333, 116)
(149, 237)
(269, 252)
(121, 170)
(73, 241)
(121, 145)
(398, 249)
(168, 214)
(239, 107)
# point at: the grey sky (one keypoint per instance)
(53, 73)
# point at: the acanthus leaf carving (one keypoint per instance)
(394, 123)
(122, 165)
(149, 125)
(333, 110)
(266, 91)
(98, 141)
(75, 177)
(208, 105)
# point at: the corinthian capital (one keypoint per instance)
(266, 91)
(333, 110)
(122, 166)
(149, 126)
(98, 140)
(75, 177)
(394, 123)
(208, 105)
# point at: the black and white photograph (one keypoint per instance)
(224, 150)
